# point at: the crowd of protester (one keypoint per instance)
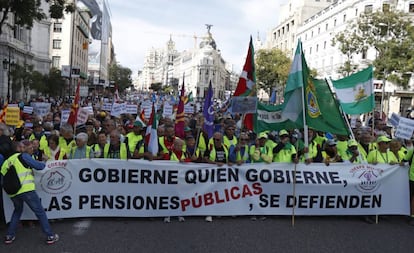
(102, 136)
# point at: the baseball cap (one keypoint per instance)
(283, 132)
(262, 135)
(352, 142)
(383, 138)
(138, 124)
(331, 142)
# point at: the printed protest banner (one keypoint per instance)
(138, 188)
(189, 108)
(131, 109)
(40, 108)
(244, 104)
(28, 109)
(13, 116)
(167, 110)
(405, 128)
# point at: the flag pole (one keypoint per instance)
(294, 185)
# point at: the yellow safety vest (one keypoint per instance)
(48, 153)
(122, 151)
(42, 141)
(25, 174)
(133, 139)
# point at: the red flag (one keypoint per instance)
(73, 116)
(3, 113)
(179, 118)
(247, 83)
(142, 116)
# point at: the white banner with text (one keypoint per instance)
(138, 188)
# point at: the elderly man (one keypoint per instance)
(81, 150)
(132, 138)
(116, 149)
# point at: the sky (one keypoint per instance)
(139, 25)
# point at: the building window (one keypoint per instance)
(364, 54)
(405, 104)
(326, 26)
(356, 12)
(319, 30)
(287, 28)
(411, 8)
(344, 18)
(56, 61)
(334, 22)
(317, 47)
(57, 27)
(385, 7)
(368, 8)
(324, 45)
(311, 34)
(310, 50)
(57, 44)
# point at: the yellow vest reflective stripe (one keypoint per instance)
(48, 153)
(245, 156)
(64, 146)
(133, 139)
(88, 152)
(25, 174)
(173, 156)
(122, 151)
(42, 141)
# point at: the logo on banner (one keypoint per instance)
(56, 181)
(368, 178)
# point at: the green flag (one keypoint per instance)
(304, 93)
(322, 109)
(356, 92)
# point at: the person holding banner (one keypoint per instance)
(116, 149)
(260, 152)
(81, 150)
(53, 151)
(217, 153)
(39, 134)
(66, 140)
(382, 154)
(133, 137)
(284, 151)
(23, 164)
(98, 147)
(410, 158)
(239, 154)
(166, 142)
(352, 154)
(193, 153)
(330, 153)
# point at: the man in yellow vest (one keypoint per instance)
(116, 149)
(133, 137)
(23, 164)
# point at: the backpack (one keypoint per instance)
(11, 181)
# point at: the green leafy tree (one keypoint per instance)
(121, 76)
(157, 87)
(391, 34)
(54, 84)
(272, 69)
(348, 47)
(27, 11)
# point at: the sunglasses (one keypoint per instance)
(244, 139)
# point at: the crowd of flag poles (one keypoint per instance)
(308, 102)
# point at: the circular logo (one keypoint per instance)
(368, 178)
(56, 181)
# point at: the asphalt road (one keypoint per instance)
(224, 234)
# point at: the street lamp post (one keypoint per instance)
(7, 64)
